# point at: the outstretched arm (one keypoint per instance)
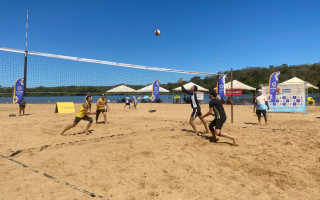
(183, 89)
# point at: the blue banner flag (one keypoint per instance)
(273, 83)
(221, 83)
(155, 90)
(18, 90)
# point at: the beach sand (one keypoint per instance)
(142, 155)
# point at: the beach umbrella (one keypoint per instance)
(140, 97)
(146, 97)
(176, 97)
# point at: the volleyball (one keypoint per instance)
(157, 32)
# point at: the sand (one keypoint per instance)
(142, 155)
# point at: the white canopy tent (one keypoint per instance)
(296, 80)
(121, 89)
(237, 85)
(149, 89)
(189, 85)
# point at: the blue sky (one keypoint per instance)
(241, 33)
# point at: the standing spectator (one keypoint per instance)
(127, 102)
(22, 106)
(262, 106)
(254, 102)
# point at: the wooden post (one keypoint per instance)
(231, 96)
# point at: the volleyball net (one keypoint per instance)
(58, 75)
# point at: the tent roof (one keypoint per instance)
(237, 85)
(121, 89)
(296, 80)
(149, 89)
(189, 85)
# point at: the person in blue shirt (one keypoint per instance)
(262, 106)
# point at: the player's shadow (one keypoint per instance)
(100, 122)
(205, 137)
(210, 139)
(250, 123)
(318, 117)
(81, 133)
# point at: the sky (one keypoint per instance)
(255, 33)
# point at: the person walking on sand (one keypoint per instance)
(127, 100)
(102, 107)
(82, 115)
(195, 106)
(134, 101)
(262, 106)
(220, 118)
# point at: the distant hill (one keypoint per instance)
(254, 76)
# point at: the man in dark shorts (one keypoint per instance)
(22, 106)
(254, 102)
(102, 107)
(216, 106)
(127, 100)
(195, 106)
(262, 107)
(82, 115)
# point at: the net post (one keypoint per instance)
(25, 73)
(231, 96)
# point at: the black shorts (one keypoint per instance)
(196, 112)
(264, 112)
(218, 123)
(101, 111)
(85, 118)
(128, 104)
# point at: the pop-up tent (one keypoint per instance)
(237, 85)
(296, 80)
(189, 85)
(121, 89)
(149, 89)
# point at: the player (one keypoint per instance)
(82, 115)
(102, 106)
(195, 105)
(216, 106)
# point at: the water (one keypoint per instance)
(238, 100)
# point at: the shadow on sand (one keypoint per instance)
(205, 137)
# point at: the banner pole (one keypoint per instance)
(231, 96)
